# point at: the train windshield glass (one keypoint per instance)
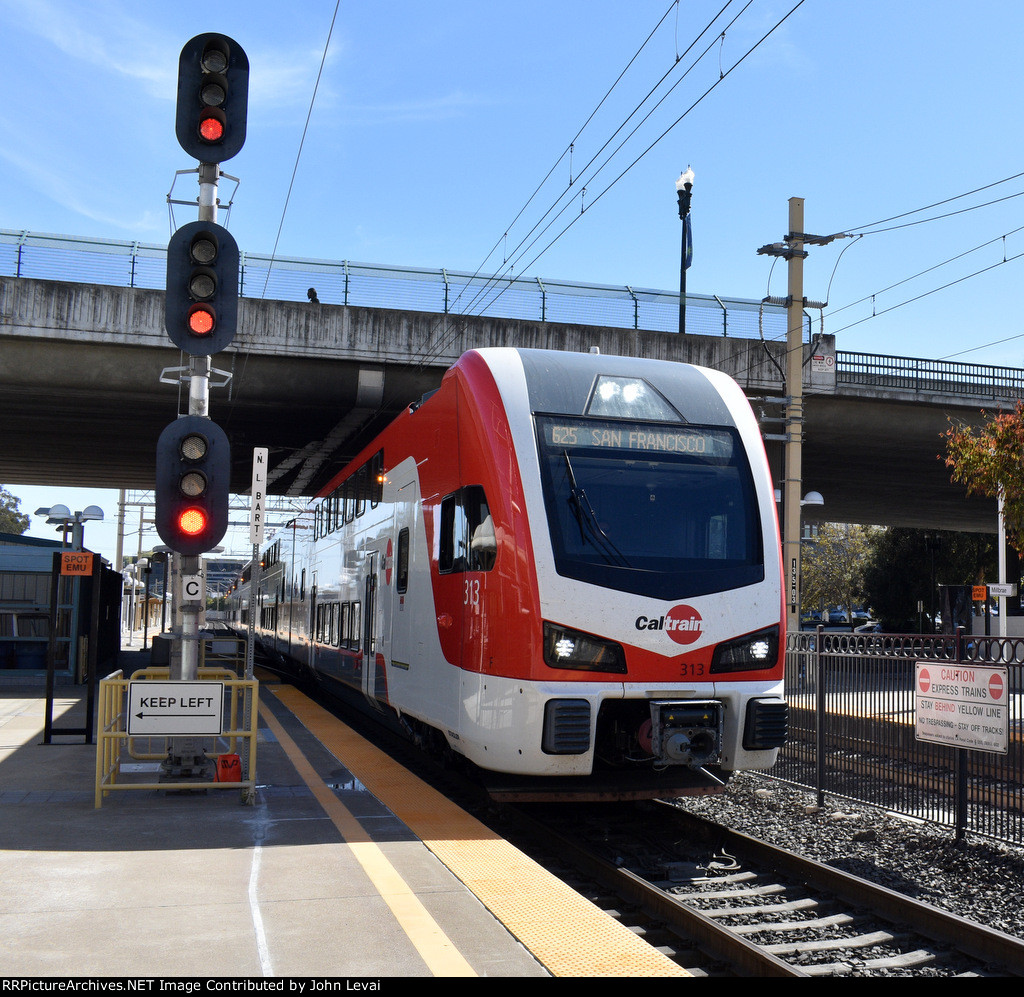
(661, 510)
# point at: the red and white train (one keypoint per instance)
(564, 567)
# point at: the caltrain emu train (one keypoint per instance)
(563, 567)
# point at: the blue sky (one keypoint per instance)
(433, 125)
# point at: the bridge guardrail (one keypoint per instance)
(929, 376)
(343, 282)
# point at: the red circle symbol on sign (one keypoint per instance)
(995, 686)
(924, 680)
(684, 624)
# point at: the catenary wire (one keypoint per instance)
(695, 103)
(489, 281)
(936, 204)
(578, 182)
(302, 141)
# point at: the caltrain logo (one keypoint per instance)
(682, 623)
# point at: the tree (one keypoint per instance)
(990, 460)
(906, 566)
(833, 566)
(12, 520)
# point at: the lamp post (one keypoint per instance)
(147, 570)
(66, 520)
(809, 499)
(61, 515)
(684, 189)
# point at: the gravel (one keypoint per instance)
(975, 878)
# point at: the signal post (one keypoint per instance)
(193, 465)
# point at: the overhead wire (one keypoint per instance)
(723, 75)
(1006, 259)
(636, 128)
(237, 378)
(302, 142)
(673, 125)
(569, 148)
(575, 181)
(490, 281)
(936, 204)
(874, 229)
(494, 280)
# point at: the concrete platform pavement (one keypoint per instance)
(154, 884)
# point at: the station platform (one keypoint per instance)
(345, 866)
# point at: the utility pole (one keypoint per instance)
(793, 482)
(792, 250)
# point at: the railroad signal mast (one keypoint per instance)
(201, 314)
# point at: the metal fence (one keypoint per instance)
(928, 376)
(853, 730)
(343, 282)
(536, 299)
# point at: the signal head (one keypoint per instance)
(193, 469)
(213, 97)
(201, 304)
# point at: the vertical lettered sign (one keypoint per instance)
(257, 513)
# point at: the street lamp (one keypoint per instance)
(809, 499)
(684, 188)
(62, 516)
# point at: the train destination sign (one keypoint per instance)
(649, 438)
(964, 705)
(175, 709)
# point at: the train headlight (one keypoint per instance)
(753, 652)
(567, 648)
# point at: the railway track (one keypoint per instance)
(724, 903)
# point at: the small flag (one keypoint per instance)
(688, 242)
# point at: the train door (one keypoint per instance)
(406, 636)
(374, 681)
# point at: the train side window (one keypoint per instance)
(353, 625)
(362, 486)
(467, 539)
(376, 478)
(402, 561)
(483, 545)
(452, 535)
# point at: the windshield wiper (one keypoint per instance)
(586, 518)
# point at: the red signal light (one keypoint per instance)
(201, 320)
(211, 127)
(192, 521)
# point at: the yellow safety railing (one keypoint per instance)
(117, 754)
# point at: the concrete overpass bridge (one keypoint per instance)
(82, 401)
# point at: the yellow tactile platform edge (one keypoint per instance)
(564, 931)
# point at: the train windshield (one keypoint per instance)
(660, 510)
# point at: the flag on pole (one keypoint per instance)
(688, 241)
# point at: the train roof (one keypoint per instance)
(568, 383)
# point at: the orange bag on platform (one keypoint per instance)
(229, 768)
